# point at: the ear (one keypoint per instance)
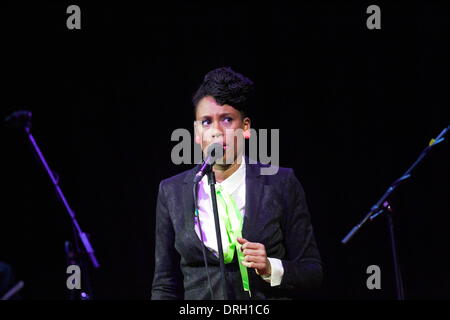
(246, 127)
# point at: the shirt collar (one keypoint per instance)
(231, 183)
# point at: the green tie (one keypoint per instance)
(232, 218)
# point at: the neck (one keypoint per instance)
(223, 171)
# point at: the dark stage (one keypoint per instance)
(355, 107)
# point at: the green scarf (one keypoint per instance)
(232, 218)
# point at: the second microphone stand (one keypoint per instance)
(22, 119)
(383, 206)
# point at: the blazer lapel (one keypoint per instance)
(254, 189)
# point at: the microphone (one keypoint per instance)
(19, 119)
(215, 151)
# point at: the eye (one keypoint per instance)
(228, 119)
(205, 122)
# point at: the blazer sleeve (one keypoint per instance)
(168, 279)
(302, 264)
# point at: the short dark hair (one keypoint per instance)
(226, 87)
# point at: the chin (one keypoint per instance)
(223, 161)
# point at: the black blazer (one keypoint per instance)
(276, 215)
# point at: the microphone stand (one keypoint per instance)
(382, 205)
(212, 182)
(23, 119)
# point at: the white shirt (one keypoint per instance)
(235, 186)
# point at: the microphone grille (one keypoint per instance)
(215, 151)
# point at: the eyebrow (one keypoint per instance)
(220, 115)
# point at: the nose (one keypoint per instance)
(216, 134)
(216, 130)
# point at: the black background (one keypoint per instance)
(355, 107)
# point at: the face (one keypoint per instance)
(222, 124)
